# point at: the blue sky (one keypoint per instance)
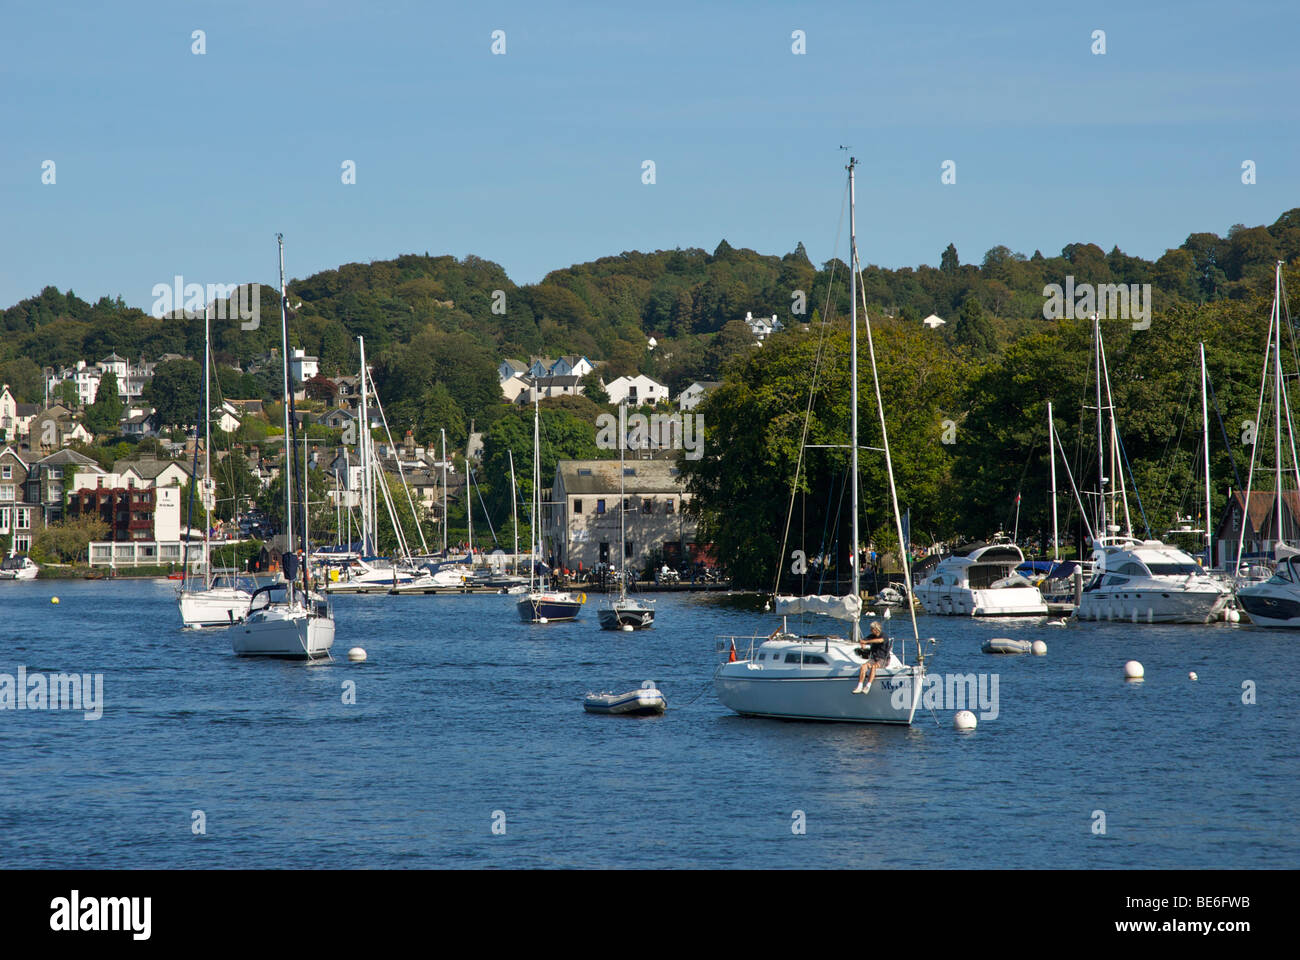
(172, 163)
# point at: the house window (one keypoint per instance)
(7, 472)
(647, 506)
(56, 473)
(22, 544)
(99, 483)
(628, 550)
(668, 505)
(6, 491)
(4, 519)
(24, 518)
(627, 503)
(577, 506)
(600, 506)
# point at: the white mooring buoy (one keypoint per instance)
(357, 654)
(1192, 675)
(1232, 615)
(963, 720)
(1133, 671)
(1039, 648)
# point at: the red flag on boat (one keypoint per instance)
(732, 657)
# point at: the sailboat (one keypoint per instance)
(540, 605)
(216, 604)
(1276, 601)
(287, 619)
(1142, 581)
(624, 612)
(813, 677)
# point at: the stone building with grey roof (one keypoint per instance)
(580, 523)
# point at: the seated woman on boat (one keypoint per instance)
(875, 648)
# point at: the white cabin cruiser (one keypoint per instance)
(15, 567)
(980, 580)
(1149, 581)
(1275, 602)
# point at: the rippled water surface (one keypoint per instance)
(462, 711)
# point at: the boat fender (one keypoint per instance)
(582, 598)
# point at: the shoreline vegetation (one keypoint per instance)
(966, 398)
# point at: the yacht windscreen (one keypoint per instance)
(1173, 569)
(984, 575)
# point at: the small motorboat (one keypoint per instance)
(646, 700)
(15, 567)
(1006, 645)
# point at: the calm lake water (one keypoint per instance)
(462, 711)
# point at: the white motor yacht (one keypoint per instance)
(980, 580)
(15, 567)
(1149, 581)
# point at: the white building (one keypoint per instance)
(934, 321)
(635, 391)
(690, 398)
(762, 327)
(303, 367)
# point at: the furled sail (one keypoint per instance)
(841, 608)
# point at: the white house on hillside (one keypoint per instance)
(690, 398)
(572, 365)
(510, 368)
(934, 321)
(635, 391)
(762, 327)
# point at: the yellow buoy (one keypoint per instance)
(54, 599)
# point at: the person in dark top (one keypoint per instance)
(874, 649)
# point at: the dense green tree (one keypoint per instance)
(104, 415)
(174, 391)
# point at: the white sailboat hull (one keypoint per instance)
(218, 607)
(289, 635)
(794, 679)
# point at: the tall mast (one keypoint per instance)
(853, 402)
(469, 505)
(1101, 443)
(367, 527)
(534, 543)
(1205, 440)
(622, 500)
(443, 432)
(514, 508)
(1277, 402)
(207, 446)
(288, 441)
(1051, 450)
